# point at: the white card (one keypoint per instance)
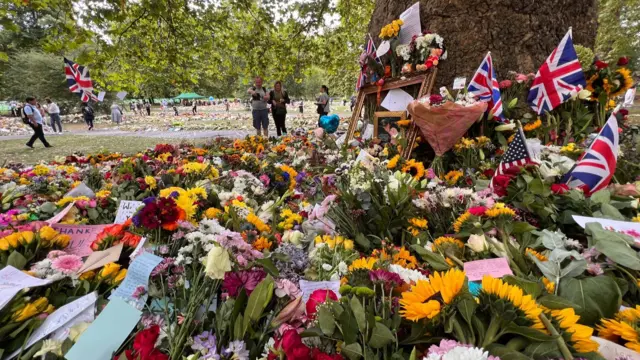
(101, 95)
(368, 132)
(459, 83)
(126, 210)
(383, 48)
(121, 95)
(411, 26)
(397, 100)
(13, 280)
(626, 227)
(308, 287)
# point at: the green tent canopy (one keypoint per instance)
(189, 96)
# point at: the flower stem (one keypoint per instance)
(561, 344)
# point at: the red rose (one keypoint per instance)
(318, 297)
(601, 64)
(145, 340)
(489, 173)
(623, 61)
(500, 184)
(624, 112)
(477, 210)
(559, 188)
(293, 347)
(505, 84)
(316, 354)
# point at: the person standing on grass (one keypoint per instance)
(54, 113)
(324, 106)
(116, 114)
(147, 106)
(88, 115)
(31, 111)
(260, 113)
(279, 100)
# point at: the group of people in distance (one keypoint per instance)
(278, 99)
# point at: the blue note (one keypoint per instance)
(106, 333)
(137, 275)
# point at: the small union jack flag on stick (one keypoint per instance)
(79, 80)
(485, 86)
(559, 76)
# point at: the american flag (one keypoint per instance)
(517, 155)
(559, 76)
(597, 165)
(369, 49)
(485, 86)
(79, 80)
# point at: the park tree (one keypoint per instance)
(519, 33)
(619, 31)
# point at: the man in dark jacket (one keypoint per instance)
(88, 115)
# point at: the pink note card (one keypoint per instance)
(81, 237)
(59, 216)
(497, 268)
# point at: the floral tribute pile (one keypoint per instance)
(300, 248)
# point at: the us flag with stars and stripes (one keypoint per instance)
(597, 165)
(485, 86)
(79, 80)
(517, 155)
(559, 76)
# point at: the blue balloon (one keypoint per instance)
(474, 288)
(330, 123)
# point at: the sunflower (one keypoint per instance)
(625, 326)
(500, 209)
(363, 263)
(417, 225)
(550, 286)
(453, 176)
(539, 256)
(419, 302)
(415, 168)
(404, 123)
(445, 240)
(576, 335)
(460, 221)
(496, 288)
(623, 75)
(533, 126)
(393, 162)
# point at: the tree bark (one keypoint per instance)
(519, 33)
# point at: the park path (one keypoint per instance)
(190, 134)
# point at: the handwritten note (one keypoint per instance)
(106, 333)
(59, 216)
(13, 280)
(412, 26)
(611, 350)
(59, 318)
(87, 316)
(630, 228)
(81, 237)
(341, 139)
(99, 259)
(397, 100)
(308, 287)
(495, 267)
(126, 210)
(137, 275)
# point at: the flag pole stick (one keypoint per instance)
(374, 46)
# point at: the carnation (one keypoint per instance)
(67, 264)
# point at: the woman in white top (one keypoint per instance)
(324, 106)
(116, 113)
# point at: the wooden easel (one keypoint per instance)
(426, 78)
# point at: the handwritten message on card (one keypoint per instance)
(137, 275)
(126, 210)
(106, 333)
(495, 267)
(308, 287)
(81, 237)
(59, 216)
(627, 227)
(611, 350)
(13, 280)
(59, 318)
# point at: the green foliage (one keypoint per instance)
(619, 30)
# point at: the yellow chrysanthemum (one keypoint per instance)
(262, 243)
(460, 221)
(404, 258)
(453, 176)
(103, 194)
(515, 296)
(212, 213)
(254, 220)
(393, 162)
(636, 219)
(41, 170)
(533, 126)
(415, 168)
(580, 334)
(483, 140)
(289, 219)
(363, 263)
(500, 209)
(536, 254)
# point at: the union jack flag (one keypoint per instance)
(485, 86)
(79, 80)
(559, 76)
(517, 155)
(597, 165)
(362, 78)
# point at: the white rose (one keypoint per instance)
(327, 267)
(342, 267)
(477, 243)
(292, 236)
(218, 263)
(584, 94)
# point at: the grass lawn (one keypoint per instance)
(63, 145)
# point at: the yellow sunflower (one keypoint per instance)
(500, 209)
(393, 162)
(460, 221)
(445, 240)
(404, 258)
(453, 176)
(580, 335)
(533, 126)
(363, 263)
(419, 302)
(514, 295)
(625, 84)
(625, 326)
(415, 168)
(536, 254)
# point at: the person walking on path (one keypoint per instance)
(116, 114)
(147, 106)
(35, 121)
(324, 107)
(279, 100)
(54, 114)
(259, 100)
(87, 114)
(194, 109)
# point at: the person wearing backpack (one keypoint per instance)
(323, 103)
(87, 114)
(32, 116)
(260, 112)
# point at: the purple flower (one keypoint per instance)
(239, 350)
(205, 344)
(247, 279)
(140, 291)
(387, 278)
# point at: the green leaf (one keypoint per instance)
(521, 227)
(268, 265)
(352, 351)
(258, 301)
(359, 314)
(436, 261)
(413, 355)
(505, 353)
(467, 306)
(574, 268)
(536, 187)
(362, 240)
(48, 207)
(610, 212)
(380, 336)
(598, 297)
(543, 350)
(349, 326)
(326, 321)
(529, 333)
(238, 328)
(555, 302)
(614, 245)
(17, 260)
(601, 197)
(92, 213)
(532, 288)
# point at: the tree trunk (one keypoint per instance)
(519, 33)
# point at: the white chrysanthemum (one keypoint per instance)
(407, 275)
(461, 353)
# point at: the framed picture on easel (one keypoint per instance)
(385, 122)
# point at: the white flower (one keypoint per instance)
(342, 268)
(292, 236)
(461, 353)
(327, 267)
(218, 263)
(50, 346)
(477, 243)
(505, 127)
(407, 275)
(584, 94)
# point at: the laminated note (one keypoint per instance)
(137, 275)
(411, 26)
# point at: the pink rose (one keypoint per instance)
(319, 297)
(520, 78)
